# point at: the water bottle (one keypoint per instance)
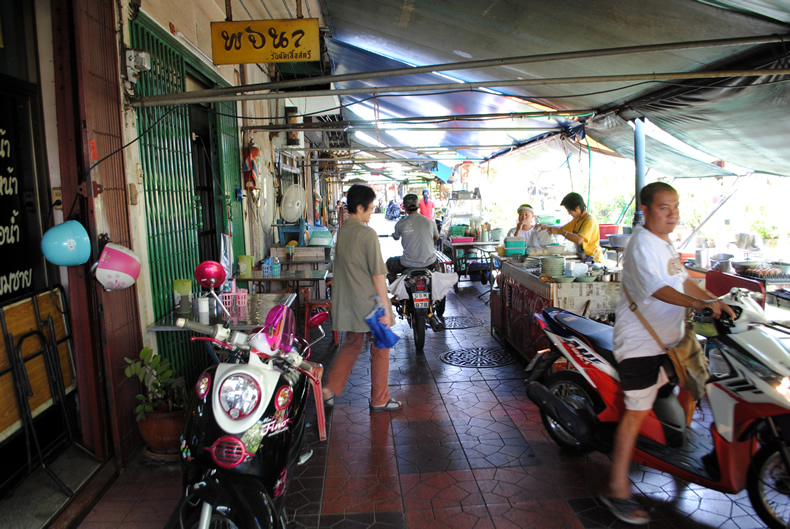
(275, 266)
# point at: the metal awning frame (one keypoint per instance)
(240, 93)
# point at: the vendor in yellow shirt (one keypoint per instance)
(582, 230)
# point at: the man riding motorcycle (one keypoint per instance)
(654, 277)
(419, 234)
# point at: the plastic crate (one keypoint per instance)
(458, 231)
(608, 229)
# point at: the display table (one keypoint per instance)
(290, 277)
(241, 318)
(522, 295)
(461, 263)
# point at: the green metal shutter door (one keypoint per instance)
(172, 220)
(230, 170)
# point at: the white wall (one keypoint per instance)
(46, 73)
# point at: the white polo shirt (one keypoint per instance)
(649, 264)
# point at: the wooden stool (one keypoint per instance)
(310, 304)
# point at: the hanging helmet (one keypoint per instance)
(117, 268)
(210, 274)
(66, 244)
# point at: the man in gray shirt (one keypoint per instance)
(419, 234)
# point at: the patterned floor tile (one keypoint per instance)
(458, 518)
(468, 450)
(440, 490)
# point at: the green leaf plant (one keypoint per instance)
(161, 390)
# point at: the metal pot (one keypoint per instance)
(605, 278)
(784, 267)
(721, 257)
(722, 266)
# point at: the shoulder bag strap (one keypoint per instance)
(635, 310)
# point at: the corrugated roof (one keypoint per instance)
(746, 125)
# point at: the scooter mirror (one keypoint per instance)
(318, 319)
(210, 274)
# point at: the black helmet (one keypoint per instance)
(411, 202)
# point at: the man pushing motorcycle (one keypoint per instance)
(658, 284)
(419, 234)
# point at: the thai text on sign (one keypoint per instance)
(254, 41)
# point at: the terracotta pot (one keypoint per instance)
(162, 431)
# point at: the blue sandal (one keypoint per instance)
(392, 405)
(627, 510)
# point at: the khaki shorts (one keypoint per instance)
(641, 379)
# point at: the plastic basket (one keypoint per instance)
(227, 298)
(241, 297)
(462, 239)
(458, 231)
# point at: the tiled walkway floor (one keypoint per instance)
(468, 450)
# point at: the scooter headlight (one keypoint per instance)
(239, 396)
(784, 388)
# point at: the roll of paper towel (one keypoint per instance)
(203, 305)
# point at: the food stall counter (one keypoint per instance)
(522, 294)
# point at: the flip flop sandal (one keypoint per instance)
(626, 510)
(330, 402)
(392, 405)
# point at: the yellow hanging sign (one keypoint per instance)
(254, 41)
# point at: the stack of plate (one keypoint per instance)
(552, 265)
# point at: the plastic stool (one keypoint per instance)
(309, 305)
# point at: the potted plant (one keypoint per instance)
(160, 408)
(768, 232)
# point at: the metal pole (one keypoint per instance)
(639, 159)
(710, 215)
(286, 128)
(439, 148)
(203, 97)
(485, 63)
(441, 119)
(358, 160)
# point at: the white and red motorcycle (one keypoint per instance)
(746, 445)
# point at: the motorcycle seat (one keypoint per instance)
(598, 335)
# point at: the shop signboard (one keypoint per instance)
(21, 269)
(264, 41)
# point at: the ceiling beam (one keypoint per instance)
(177, 99)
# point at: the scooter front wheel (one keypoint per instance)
(573, 389)
(768, 484)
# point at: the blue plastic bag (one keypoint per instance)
(383, 336)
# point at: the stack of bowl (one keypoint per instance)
(552, 265)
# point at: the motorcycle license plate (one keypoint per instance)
(421, 301)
